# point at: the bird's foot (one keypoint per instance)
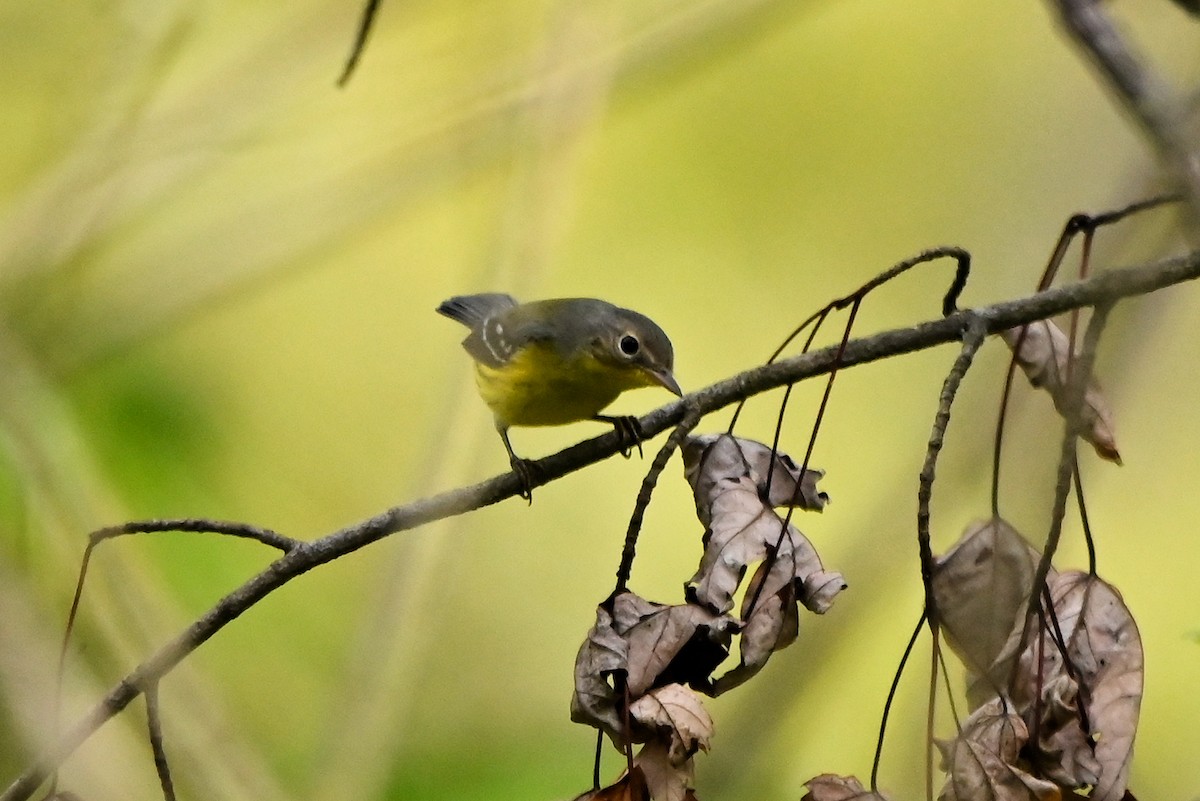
(528, 473)
(629, 433)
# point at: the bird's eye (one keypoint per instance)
(629, 345)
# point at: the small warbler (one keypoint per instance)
(552, 362)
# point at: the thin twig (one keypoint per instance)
(891, 696)
(1083, 519)
(596, 760)
(673, 443)
(365, 24)
(785, 526)
(185, 524)
(930, 708)
(1158, 109)
(949, 691)
(973, 338)
(308, 555)
(154, 723)
(854, 300)
(949, 301)
(1071, 430)
(1085, 224)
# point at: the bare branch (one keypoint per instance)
(154, 724)
(1163, 117)
(972, 339)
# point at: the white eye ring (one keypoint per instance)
(629, 345)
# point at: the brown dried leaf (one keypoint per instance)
(681, 727)
(773, 625)
(1105, 649)
(728, 477)
(652, 645)
(981, 587)
(595, 700)
(796, 575)
(1043, 355)
(740, 530)
(711, 458)
(982, 763)
(630, 787)
(679, 718)
(666, 780)
(668, 644)
(831, 787)
(1064, 753)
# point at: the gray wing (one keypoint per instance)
(499, 325)
(473, 310)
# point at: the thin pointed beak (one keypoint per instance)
(667, 381)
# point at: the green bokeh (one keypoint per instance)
(217, 282)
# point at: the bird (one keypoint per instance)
(557, 361)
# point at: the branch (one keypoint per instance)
(1167, 122)
(301, 558)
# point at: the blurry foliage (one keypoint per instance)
(217, 276)
(154, 431)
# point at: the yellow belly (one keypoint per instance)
(539, 388)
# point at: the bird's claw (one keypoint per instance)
(527, 473)
(629, 435)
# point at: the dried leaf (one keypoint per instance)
(773, 625)
(666, 780)
(630, 787)
(740, 529)
(604, 653)
(1105, 650)
(728, 477)
(831, 787)
(650, 645)
(669, 644)
(679, 718)
(1043, 355)
(711, 458)
(981, 588)
(1064, 753)
(681, 727)
(982, 762)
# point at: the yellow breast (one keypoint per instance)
(537, 387)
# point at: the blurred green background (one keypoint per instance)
(217, 282)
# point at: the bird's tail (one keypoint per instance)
(472, 310)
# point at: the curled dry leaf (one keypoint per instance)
(682, 727)
(1044, 354)
(670, 644)
(728, 478)
(831, 787)
(596, 701)
(665, 780)
(981, 588)
(771, 626)
(1063, 752)
(679, 719)
(709, 459)
(982, 762)
(1105, 652)
(647, 645)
